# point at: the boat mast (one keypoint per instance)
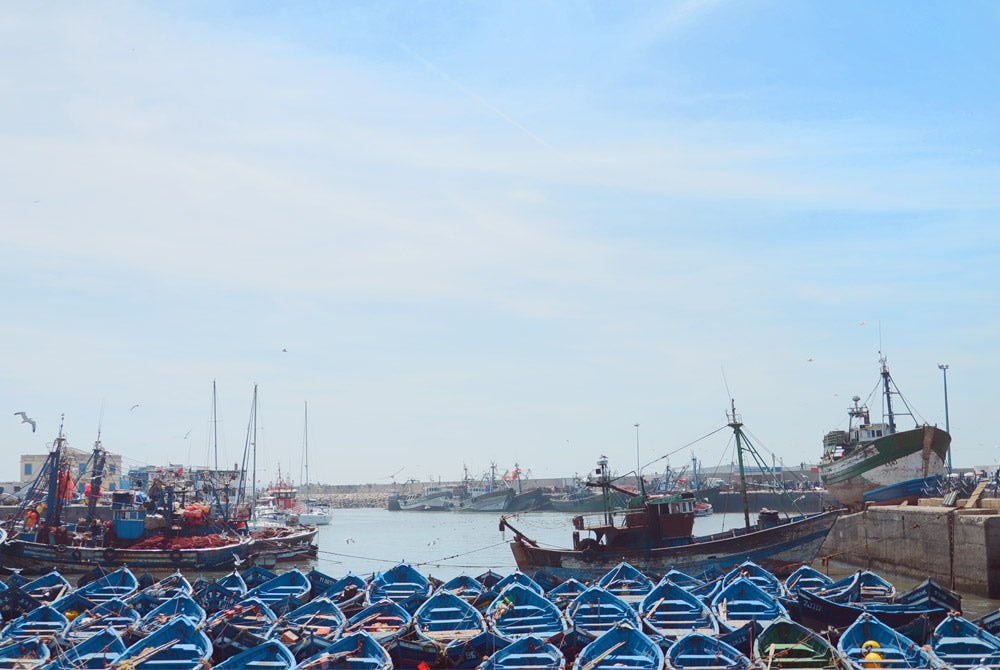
(888, 396)
(737, 427)
(253, 444)
(54, 508)
(305, 448)
(215, 430)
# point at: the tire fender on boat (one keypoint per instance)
(76, 554)
(60, 548)
(109, 553)
(176, 556)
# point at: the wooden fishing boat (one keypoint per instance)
(791, 646)
(519, 611)
(355, 651)
(596, 611)
(98, 651)
(627, 583)
(701, 652)
(73, 604)
(868, 642)
(45, 622)
(742, 638)
(114, 614)
(444, 618)
(546, 580)
(489, 579)
(930, 594)
(26, 654)
(467, 588)
(654, 535)
(669, 612)
(313, 626)
(907, 491)
(742, 601)
(806, 578)
(348, 593)
(470, 653)
(284, 592)
(962, 644)
(120, 584)
(256, 575)
(562, 595)
(237, 629)
(402, 584)
(862, 586)
(19, 596)
(518, 577)
(178, 645)
(766, 581)
(384, 621)
(621, 647)
(271, 655)
(821, 612)
(214, 598)
(179, 605)
(169, 587)
(528, 653)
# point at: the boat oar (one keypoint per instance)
(602, 656)
(145, 655)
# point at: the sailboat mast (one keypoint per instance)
(253, 420)
(215, 430)
(305, 448)
(888, 396)
(737, 427)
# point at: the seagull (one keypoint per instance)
(26, 419)
(188, 433)
(349, 540)
(284, 351)
(809, 361)
(237, 561)
(133, 407)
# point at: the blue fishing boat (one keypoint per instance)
(348, 593)
(73, 604)
(990, 622)
(742, 601)
(20, 595)
(930, 594)
(684, 580)
(215, 598)
(169, 587)
(237, 585)
(806, 578)
(120, 584)
(256, 575)
(45, 622)
(669, 612)
(321, 582)
(868, 641)
(310, 628)
(546, 580)
(271, 655)
(467, 654)
(821, 612)
(908, 491)
(384, 621)
(518, 577)
(787, 645)
(356, 651)
(283, 593)
(596, 611)
(444, 618)
(562, 595)
(862, 586)
(489, 579)
(178, 645)
(621, 647)
(165, 612)
(743, 638)
(112, 614)
(26, 654)
(962, 644)
(519, 611)
(142, 602)
(528, 653)
(401, 584)
(696, 650)
(237, 629)
(627, 583)
(98, 651)
(467, 588)
(766, 581)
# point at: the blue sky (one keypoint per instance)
(493, 231)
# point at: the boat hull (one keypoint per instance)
(21, 554)
(779, 549)
(891, 459)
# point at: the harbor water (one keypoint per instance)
(447, 544)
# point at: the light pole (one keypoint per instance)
(638, 475)
(944, 373)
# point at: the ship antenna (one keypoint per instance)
(737, 426)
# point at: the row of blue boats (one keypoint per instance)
(400, 618)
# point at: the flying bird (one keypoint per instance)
(284, 351)
(349, 540)
(26, 419)
(188, 433)
(133, 407)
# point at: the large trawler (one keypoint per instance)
(869, 455)
(654, 535)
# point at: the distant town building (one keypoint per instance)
(77, 460)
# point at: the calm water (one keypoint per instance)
(447, 544)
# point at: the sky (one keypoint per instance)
(493, 232)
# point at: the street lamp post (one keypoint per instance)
(638, 474)
(947, 428)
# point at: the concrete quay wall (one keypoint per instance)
(958, 548)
